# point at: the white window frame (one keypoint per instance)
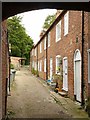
(66, 23)
(49, 39)
(58, 56)
(89, 66)
(35, 65)
(58, 31)
(45, 65)
(45, 43)
(40, 65)
(41, 47)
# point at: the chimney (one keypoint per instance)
(42, 33)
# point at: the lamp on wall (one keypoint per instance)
(77, 39)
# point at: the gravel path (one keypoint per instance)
(31, 99)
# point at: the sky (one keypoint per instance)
(34, 20)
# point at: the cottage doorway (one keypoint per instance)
(77, 75)
(51, 68)
(65, 75)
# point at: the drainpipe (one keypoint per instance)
(9, 72)
(9, 61)
(7, 53)
(82, 83)
(47, 57)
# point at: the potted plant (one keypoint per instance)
(58, 80)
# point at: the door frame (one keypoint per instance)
(75, 60)
(65, 58)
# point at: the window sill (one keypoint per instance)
(58, 40)
(65, 34)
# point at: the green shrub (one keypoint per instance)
(11, 66)
(35, 72)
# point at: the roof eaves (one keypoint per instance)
(54, 23)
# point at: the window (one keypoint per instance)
(89, 66)
(45, 65)
(58, 31)
(66, 23)
(40, 47)
(58, 62)
(40, 65)
(45, 43)
(49, 39)
(35, 65)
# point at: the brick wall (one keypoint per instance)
(4, 66)
(86, 45)
(67, 46)
(41, 56)
(89, 48)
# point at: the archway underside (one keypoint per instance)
(12, 8)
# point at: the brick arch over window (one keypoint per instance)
(12, 8)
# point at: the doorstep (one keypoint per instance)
(64, 94)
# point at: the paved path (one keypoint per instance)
(30, 98)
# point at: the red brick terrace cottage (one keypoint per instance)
(66, 46)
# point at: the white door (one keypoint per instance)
(77, 80)
(77, 75)
(65, 74)
(51, 69)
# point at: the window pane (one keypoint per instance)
(66, 23)
(58, 31)
(48, 39)
(45, 65)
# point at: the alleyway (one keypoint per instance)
(31, 99)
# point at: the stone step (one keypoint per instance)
(64, 94)
(53, 84)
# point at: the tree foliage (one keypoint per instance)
(48, 21)
(21, 43)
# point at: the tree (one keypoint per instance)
(21, 43)
(48, 21)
